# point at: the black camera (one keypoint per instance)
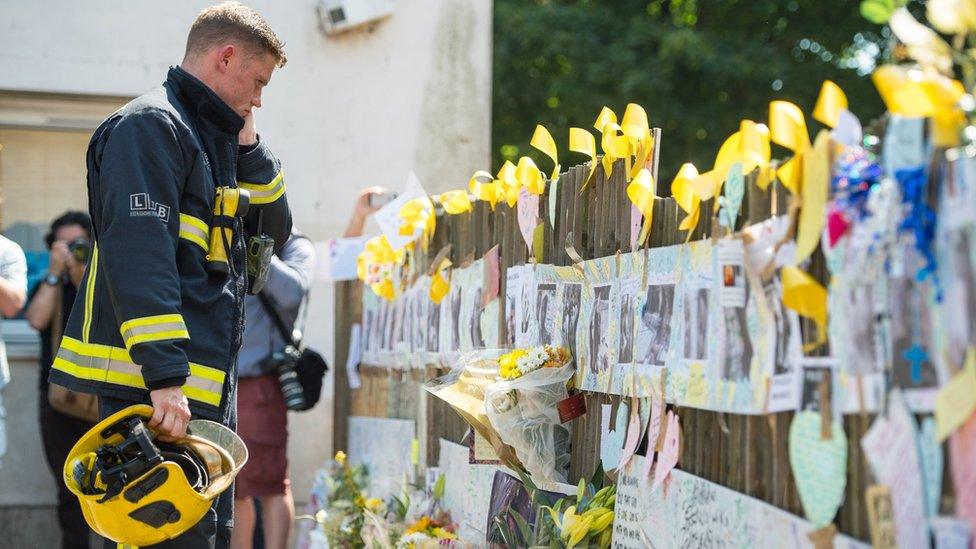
(283, 364)
(80, 248)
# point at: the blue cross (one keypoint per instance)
(916, 355)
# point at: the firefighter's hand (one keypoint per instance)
(171, 413)
(249, 133)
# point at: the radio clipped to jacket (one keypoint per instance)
(229, 203)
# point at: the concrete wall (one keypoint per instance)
(413, 92)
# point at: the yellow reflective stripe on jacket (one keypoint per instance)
(107, 364)
(153, 328)
(90, 293)
(195, 230)
(265, 193)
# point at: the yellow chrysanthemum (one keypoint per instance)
(340, 457)
(422, 524)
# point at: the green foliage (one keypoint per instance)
(697, 66)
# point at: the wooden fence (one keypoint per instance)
(748, 454)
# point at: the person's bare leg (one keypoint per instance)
(242, 537)
(278, 512)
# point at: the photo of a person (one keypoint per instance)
(654, 329)
(696, 323)
(570, 312)
(455, 318)
(738, 346)
(419, 321)
(545, 305)
(513, 289)
(782, 361)
(525, 308)
(599, 339)
(433, 327)
(477, 339)
(861, 331)
(625, 348)
(813, 381)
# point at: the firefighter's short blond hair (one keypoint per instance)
(233, 22)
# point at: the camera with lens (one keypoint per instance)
(80, 248)
(283, 364)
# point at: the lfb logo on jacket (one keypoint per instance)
(140, 205)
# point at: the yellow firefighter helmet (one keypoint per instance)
(137, 490)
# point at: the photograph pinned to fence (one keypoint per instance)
(513, 302)
(545, 312)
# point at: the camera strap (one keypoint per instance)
(278, 322)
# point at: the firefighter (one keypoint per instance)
(181, 189)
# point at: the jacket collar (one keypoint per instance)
(200, 100)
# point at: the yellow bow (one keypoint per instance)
(642, 195)
(831, 101)
(418, 214)
(806, 296)
(684, 194)
(455, 202)
(917, 93)
(482, 187)
(439, 284)
(788, 128)
(543, 141)
(582, 141)
(529, 176)
(507, 185)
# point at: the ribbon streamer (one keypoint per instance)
(788, 128)
(507, 185)
(418, 214)
(543, 141)
(455, 202)
(806, 296)
(686, 197)
(529, 176)
(830, 103)
(439, 284)
(642, 195)
(482, 187)
(583, 142)
(914, 93)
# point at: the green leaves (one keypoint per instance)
(879, 11)
(439, 488)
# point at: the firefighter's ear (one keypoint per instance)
(224, 55)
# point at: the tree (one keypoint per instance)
(697, 67)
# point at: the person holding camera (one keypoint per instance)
(69, 242)
(268, 387)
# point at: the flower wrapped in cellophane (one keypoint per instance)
(521, 407)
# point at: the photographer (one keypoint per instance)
(262, 403)
(70, 244)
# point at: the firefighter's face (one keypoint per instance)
(242, 77)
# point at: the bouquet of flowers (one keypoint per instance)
(338, 496)
(521, 407)
(414, 519)
(581, 520)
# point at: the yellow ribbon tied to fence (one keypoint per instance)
(542, 140)
(788, 128)
(686, 197)
(831, 101)
(418, 214)
(582, 141)
(529, 176)
(507, 185)
(482, 187)
(806, 296)
(917, 93)
(642, 195)
(455, 202)
(440, 285)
